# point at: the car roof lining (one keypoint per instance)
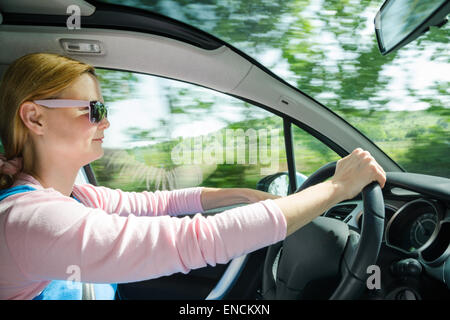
(220, 68)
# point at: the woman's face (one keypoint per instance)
(70, 134)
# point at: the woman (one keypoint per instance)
(52, 121)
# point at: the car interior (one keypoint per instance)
(410, 216)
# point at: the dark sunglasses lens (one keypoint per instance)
(98, 111)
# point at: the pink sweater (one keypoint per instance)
(116, 236)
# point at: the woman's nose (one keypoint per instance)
(104, 124)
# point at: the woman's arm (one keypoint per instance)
(159, 203)
(212, 198)
(48, 233)
(301, 208)
(353, 173)
(145, 203)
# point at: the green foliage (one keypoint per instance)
(116, 85)
(429, 153)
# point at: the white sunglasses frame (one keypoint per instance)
(69, 103)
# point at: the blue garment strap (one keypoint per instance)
(17, 189)
(70, 290)
(63, 289)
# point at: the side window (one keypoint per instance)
(167, 135)
(310, 153)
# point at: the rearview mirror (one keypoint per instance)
(399, 22)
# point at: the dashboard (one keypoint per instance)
(415, 252)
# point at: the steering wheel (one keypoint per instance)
(325, 248)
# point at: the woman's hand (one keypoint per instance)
(356, 171)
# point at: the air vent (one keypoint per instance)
(341, 212)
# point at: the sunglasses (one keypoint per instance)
(97, 110)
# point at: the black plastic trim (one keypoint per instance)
(290, 156)
(90, 174)
(433, 186)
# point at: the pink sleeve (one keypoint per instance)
(48, 234)
(158, 203)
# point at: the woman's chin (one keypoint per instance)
(97, 155)
(101, 153)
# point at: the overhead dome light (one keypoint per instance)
(82, 46)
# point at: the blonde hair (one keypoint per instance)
(31, 77)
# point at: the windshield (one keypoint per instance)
(328, 50)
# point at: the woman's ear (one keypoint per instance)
(32, 116)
